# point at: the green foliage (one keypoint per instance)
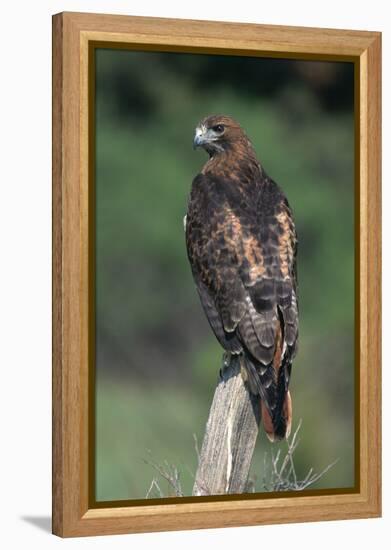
(157, 361)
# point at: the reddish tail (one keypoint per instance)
(280, 427)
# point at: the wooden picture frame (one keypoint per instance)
(74, 36)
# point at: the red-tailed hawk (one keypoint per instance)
(242, 244)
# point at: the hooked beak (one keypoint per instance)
(199, 137)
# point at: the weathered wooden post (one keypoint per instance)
(230, 436)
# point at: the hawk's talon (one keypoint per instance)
(227, 358)
(225, 363)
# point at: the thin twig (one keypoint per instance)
(170, 473)
(154, 484)
(316, 477)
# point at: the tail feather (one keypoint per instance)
(275, 399)
(267, 421)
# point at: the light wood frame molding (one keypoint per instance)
(73, 33)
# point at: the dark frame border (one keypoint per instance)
(92, 47)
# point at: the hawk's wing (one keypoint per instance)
(268, 271)
(228, 340)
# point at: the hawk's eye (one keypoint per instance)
(219, 128)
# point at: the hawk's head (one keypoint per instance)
(219, 133)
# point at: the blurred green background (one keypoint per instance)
(157, 360)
